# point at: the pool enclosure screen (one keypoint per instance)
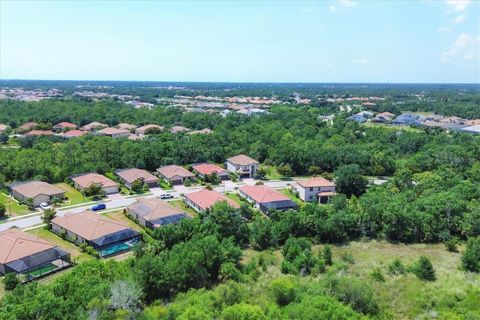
(38, 264)
(169, 220)
(116, 242)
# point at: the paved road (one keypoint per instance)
(118, 201)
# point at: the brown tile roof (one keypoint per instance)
(176, 129)
(16, 244)
(85, 180)
(39, 133)
(89, 225)
(93, 125)
(130, 175)
(112, 131)
(207, 198)
(74, 133)
(173, 170)
(144, 129)
(126, 126)
(64, 124)
(27, 126)
(262, 193)
(152, 209)
(207, 168)
(31, 189)
(242, 160)
(315, 182)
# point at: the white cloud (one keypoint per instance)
(443, 29)
(332, 8)
(460, 18)
(364, 61)
(347, 3)
(457, 5)
(465, 47)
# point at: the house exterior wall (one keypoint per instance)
(110, 190)
(252, 168)
(310, 194)
(192, 205)
(72, 236)
(41, 198)
(140, 220)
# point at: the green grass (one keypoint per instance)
(119, 216)
(402, 296)
(75, 252)
(181, 205)
(74, 196)
(288, 193)
(390, 127)
(2, 289)
(235, 197)
(13, 208)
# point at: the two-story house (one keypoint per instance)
(315, 189)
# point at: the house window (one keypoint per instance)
(311, 189)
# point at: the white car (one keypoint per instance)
(45, 206)
(166, 196)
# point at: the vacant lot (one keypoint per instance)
(13, 208)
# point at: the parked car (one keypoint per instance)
(45, 206)
(166, 196)
(99, 206)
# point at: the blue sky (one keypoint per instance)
(253, 41)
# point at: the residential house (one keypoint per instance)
(357, 118)
(38, 191)
(383, 117)
(205, 169)
(27, 127)
(177, 129)
(153, 213)
(126, 126)
(407, 119)
(74, 134)
(129, 176)
(92, 126)
(31, 256)
(175, 174)
(474, 122)
(83, 181)
(204, 199)
(242, 165)
(265, 198)
(64, 126)
(314, 189)
(149, 128)
(114, 132)
(452, 120)
(366, 114)
(105, 235)
(38, 133)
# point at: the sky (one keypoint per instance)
(242, 41)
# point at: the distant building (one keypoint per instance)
(203, 131)
(177, 129)
(93, 126)
(27, 127)
(149, 128)
(205, 169)
(38, 191)
(105, 235)
(64, 126)
(175, 174)
(74, 134)
(83, 181)
(357, 118)
(314, 189)
(265, 198)
(126, 126)
(242, 165)
(153, 213)
(114, 132)
(129, 176)
(383, 117)
(37, 133)
(407, 119)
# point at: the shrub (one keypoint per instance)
(396, 267)
(348, 258)
(10, 281)
(377, 275)
(3, 209)
(423, 269)
(327, 255)
(242, 311)
(471, 256)
(283, 291)
(451, 244)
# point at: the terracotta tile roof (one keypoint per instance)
(315, 182)
(93, 125)
(74, 133)
(173, 170)
(31, 189)
(263, 194)
(152, 209)
(176, 129)
(89, 225)
(144, 129)
(112, 131)
(39, 133)
(242, 160)
(207, 198)
(64, 124)
(130, 175)
(16, 244)
(207, 168)
(27, 126)
(85, 180)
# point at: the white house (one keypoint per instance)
(242, 165)
(314, 189)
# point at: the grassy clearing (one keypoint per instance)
(404, 296)
(13, 208)
(181, 205)
(390, 127)
(235, 197)
(288, 193)
(74, 196)
(75, 252)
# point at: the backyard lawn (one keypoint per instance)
(74, 196)
(181, 205)
(13, 208)
(75, 252)
(119, 216)
(289, 194)
(234, 196)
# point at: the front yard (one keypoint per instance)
(74, 196)
(13, 208)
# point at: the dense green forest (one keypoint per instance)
(233, 264)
